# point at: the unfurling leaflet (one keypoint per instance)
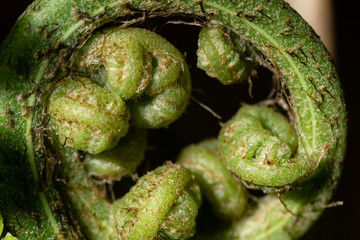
(86, 198)
(118, 69)
(73, 106)
(122, 160)
(162, 205)
(144, 69)
(115, 70)
(258, 144)
(224, 56)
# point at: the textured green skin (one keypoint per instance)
(265, 143)
(44, 38)
(72, 108)
(227, 197)
(140, 66)
(224, 56)
(162, 204)
(87, 198)
(120, 161)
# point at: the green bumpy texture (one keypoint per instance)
(265, 143)
(72, 108)
(224, 56)
(88, 201)
(227, 197)
(139, 66)
(120, 161)
(162, 204)
(45, 184)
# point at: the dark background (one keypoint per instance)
(336, 223)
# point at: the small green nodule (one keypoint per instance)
(225, 56)
(86, 116)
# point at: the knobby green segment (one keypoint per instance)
(124, 64)
(72, 108)
(139, 66)
(225, 56)
(74, 78)
(318, 118)
(86, 196)
(162, 204)
(120, 161)
(227, 197)
(259, 145)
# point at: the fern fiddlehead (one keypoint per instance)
(122, 160)
(264, 141)
(133, 62)
(167, 211)
(44, 51)
(224, 56)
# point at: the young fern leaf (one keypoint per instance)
(85, 199)
(141, 67)
(44, 48)
(259, 145)
(72, 108)
(224, 56)
(163, 203)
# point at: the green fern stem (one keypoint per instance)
(227, 196)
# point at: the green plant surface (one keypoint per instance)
(8, 235)
(227, 196)
(265, 143)
(122, 160)
(224, 56)
(168, 210)
(76, 75)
